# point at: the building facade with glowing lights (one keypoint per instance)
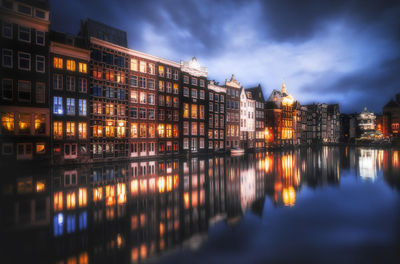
(24, 71)
(247, 120)
(232, 127)
(258, 96)
(216, 117)
(69, 68)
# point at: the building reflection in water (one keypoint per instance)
(134, 211)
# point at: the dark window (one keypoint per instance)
(96, 55)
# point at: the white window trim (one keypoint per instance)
(70, 156)
(44, 38)
(19, 66)
(27, 41)
(44, 63)
(12, 31)
(30, 91)
(19, 4)
(2, 55)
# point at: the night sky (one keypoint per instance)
(347, 52)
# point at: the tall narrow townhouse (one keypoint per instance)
(232, 127)
(247, 120)
(258, 96)
(216, 117)
(69, 62)
(142, 105)
(193, 107)
(109, 69)
(168, 103)
(24, 103)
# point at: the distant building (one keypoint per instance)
(391, 117)
(285, 103)
(258, 96)
(216, 117)
(232, 137)
(194, 107)
(247, 119)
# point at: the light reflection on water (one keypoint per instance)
(134, 211)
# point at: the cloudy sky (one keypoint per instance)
(347, 52)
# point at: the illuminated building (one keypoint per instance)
(194, 106)
(232, 126)
(367, 125)
(283, 101)
(258, 96)
(300, 124)
(391, 118)
(168, 105)
(216, 116)
(142, 128)
(24, 107)
(109, 70)
(69, 68)
(333, 126)
(247, 119)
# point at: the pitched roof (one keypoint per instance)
(257, 93)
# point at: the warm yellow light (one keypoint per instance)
(169, 183)
(121, 193)
(40, 186)
(186, 200)
(289, 196)
(134, 187)
(97, 194)
(121, 123)
(162, 228)
(161, 184)
(110, 195)
(82, 197)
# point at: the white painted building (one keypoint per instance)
(247, 119)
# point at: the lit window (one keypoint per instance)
(82, 197)
(82, 130)
(58, 201)
(161, 70)
(82, 107)
(82, 67)
(40, 124)
(7, 123)
(134, 65)
(142, 130)
(24, 61)
(57, 129)
(134, 130)
(161, 130)
(71, 65)
(70, 106)
(109, 128)
(57, 63)
(70, 129)
(194, 111)
(152, 132)
(24, 124)
(168, 131)
(143, 98)
(152, 68)
(176, 88)
(7, 58)
(186, 110)
(40, 148)
(142, 67)
(194, 128)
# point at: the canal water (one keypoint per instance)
(311, 205)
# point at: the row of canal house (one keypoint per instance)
(89, 98)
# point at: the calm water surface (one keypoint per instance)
(323, 205)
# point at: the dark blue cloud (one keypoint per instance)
(341, 51)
